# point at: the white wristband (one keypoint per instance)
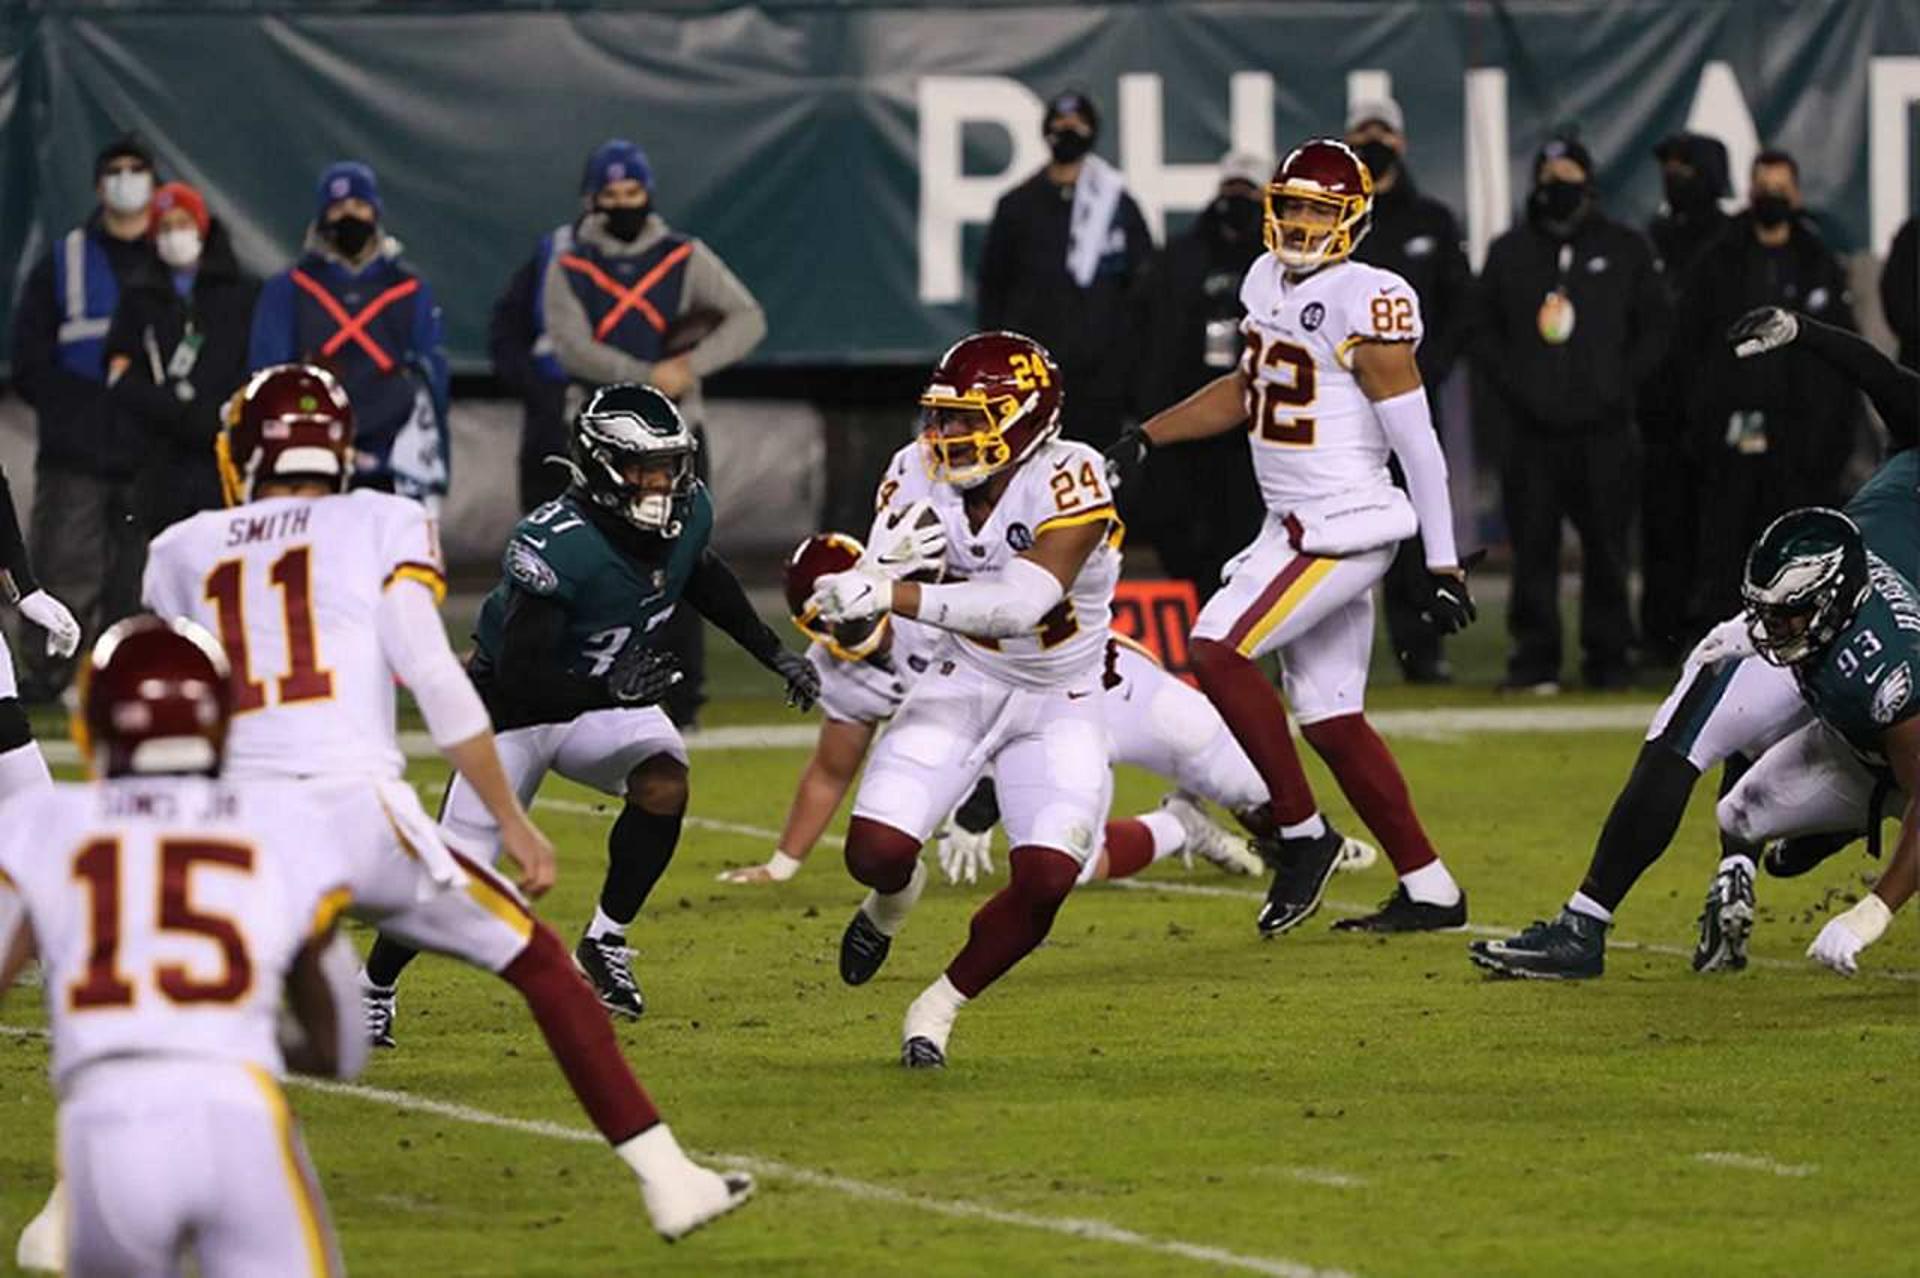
(781, 867)
(1869, 919)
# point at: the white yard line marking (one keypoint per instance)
(1751, 1162)
(772, 1168)
(1321, 1176)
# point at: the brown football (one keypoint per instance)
(689, 330)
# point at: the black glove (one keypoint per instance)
(642, 675)
(803, 681)
(1763, 329)
(1125, 456)
(1449, 608)
(980, 811)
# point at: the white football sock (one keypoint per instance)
(654, 1154)
(931, 1015)
(1311, 828)
(23, 768)
(888, 910)
(1432, 884)
(603, 926)
(1581, 903)
(366, 983)
(1169, 836)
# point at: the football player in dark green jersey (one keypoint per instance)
(566, 662)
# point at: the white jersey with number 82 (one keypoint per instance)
(292, 587)
(1312, 429)
(1061, 485)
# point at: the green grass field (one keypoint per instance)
(1157, 1091)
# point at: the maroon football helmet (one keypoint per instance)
(992, 400)
(1319, 205)
(155, 698)
(814, 558)
(289, 422)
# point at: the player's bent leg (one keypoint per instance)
(887, 861)
(1005, 930)
(639, 848)
(1131, 844)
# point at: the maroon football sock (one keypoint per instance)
(1129, 848)
(1258, 720)
(1371, 780)
(880, 856)
(1017, 918)
(580, 1037)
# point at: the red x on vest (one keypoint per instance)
(354, 327)
(627, 299)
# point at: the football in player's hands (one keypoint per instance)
(642, 675)
(911, 544)
(1763, 329)
(858, 594)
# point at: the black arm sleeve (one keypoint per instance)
(1895, 391)
(527, 686)
(13, 547)
(716, 594)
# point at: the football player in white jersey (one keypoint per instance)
(22, 767)
(1327, 388)
(322, 597)
(1032, 555)
(174, 911)
(1153, 720)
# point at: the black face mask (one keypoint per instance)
(1068, 145)
(1686, 192)
(350, 235)
(1379, 158)
(1771, 210)
(625, 224)
(1557, 207)
(1237, 218)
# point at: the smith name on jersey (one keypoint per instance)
(1312, 429)
(1062, 485)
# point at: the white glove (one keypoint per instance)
(778, 869)
(1839, 944)
(966, 857)
(858, 594)
(1763, 330)
(63, 632)
(904, 547)
(1728, 641)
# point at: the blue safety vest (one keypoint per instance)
(84, 282)
(363, 333)
(630, 301)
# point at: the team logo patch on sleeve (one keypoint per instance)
(1891, 697)
(529, 571)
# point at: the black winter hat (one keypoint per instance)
(1071, 102)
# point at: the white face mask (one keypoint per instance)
(179, 247)
(127, 192)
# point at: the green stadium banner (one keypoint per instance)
(843, 157)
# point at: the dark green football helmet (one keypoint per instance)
(632, 453)
(1805, 579)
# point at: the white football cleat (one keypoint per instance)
(43, 1243)
(1230, 854)
(680, 1194)
(1355, 856)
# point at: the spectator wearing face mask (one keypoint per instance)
(176, 351)
(633, 300)
(83, 536)
(1569, 315)
(1693, 176)
(1063, 262)
(1774, 434)
(1418, 238)
(1198, 505)
(352, 305)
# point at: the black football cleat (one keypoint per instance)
(1572, 947)
(922, 1053)
(607, 964)
(1401, 913)
(379, 1007)
(863, 948)
(1726, 921)
(1302, 868)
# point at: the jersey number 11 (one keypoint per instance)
(292, 575)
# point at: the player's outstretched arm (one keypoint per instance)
(1214, 409)
(717, 595)
(1014, 601)
(415, 645)
(1894, 390)
(1839, 944)
(329, 1035)
(837, 755)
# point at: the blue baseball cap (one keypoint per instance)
(615, 160)
(347, 180)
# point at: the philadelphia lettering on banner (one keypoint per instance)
(845, 158)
